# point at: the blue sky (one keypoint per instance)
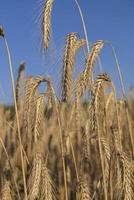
(111, 20)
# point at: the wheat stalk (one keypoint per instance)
(19, 84)
(17, 115)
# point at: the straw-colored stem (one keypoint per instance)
(118, 121)
(123, 93)
(118, 69)
(84, 26)
(62, 151)
(86, 36)
(130, 128)
(102, 160)
(17, 117)
(74, 159)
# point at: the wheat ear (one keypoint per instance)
(40, 108)
(82, 191)
(127, 176)
(19, 84)
(34, 181)
(6, 191)
(46, 24)
(85, 77)
(48, 189)
(68, 63)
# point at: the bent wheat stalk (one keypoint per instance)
(86, 36)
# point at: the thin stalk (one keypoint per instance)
(102, 160)
(130, 127)
(17, 116)
(84, 26)
(124, 94)
(100, 130)
(118, 121)
(73, 154)
(86, 36)
(62, 151)
(118, 69)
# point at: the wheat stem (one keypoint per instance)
(83, 24)
(17, 117)
(118, 69)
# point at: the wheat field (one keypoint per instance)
(67, 148)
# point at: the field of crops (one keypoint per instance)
(68, 147)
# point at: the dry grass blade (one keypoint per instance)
(46, 24)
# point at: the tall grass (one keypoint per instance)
(68, 148)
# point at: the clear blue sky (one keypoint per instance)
(111, 20)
